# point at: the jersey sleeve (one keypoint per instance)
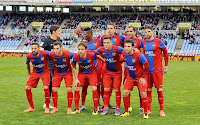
(122, 38)
(141, 44)
(120, 49)
(161, 45)
(142, 59)
(71, 54)
(27, 60)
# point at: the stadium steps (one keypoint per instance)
(8, 26)
(21, 46)
(179, 44)
(160, 23)
(63, 23)
(74, 45)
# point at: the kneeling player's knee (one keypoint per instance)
(125, 94)
(28, 87)
(143, 94)
(94, 88)
(106, 89)
(46, 87)
(69, 90)
(116, 90)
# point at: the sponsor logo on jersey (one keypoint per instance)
(149, 53)
(110, 60)
(61, 66)
(86, 67)
(39, 65)
(64, 60)
(131, 67)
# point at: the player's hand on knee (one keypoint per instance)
(142, 81)
(77, 82)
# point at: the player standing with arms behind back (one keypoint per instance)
(153, 48)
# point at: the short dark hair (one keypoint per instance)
(132, 28)
(148, 27)
(111, 24)
(57, 43)
(130, 41)
(107, 37)
(54, 28)
(88, 30)
(37, 44)
(83, 44)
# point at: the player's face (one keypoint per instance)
(57, 49)
(35, 50)
(57, 33)
(128, 47)
(110, 30)
(87, 35)
(82, 51)
(148, 33)
(130, 33)
(107, 44)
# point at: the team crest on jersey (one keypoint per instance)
(133, 60)
(89, 60)
(95, 44)
(42, 58)
(115, 39)
(113, 53)
(153, 45)
(64, 60)
(135, 43)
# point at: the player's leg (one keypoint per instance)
(32, 82)
(83, 95)
(126, 99)
(92, 77)
(158, 80)
(82, 79)
(30, 99)
(117, 79)
(107, 81)
(46, 80)
(143, 94)
(149, 91)
(141, 109)
(57, 78)
(68, 82)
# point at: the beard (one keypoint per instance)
(35, 53)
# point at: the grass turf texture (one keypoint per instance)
(181, 92)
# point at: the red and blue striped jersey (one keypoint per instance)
(153, 52)
(62, 63)
(86, 65)
(39, 63)
(135, 64)
(117, 40)
(111, 57)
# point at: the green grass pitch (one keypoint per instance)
(181, 92)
